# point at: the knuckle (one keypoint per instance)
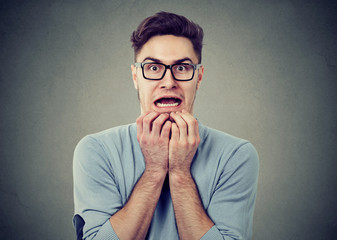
(139, 120)
(146, 120)
(156, 123)
(198, 140)
(184, 144)
(143, 140)
(195, 142)
(162, 116)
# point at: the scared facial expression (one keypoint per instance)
(167, 95)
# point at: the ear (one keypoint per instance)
(134, 76)
(200, 75)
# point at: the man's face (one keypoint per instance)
(167, 94)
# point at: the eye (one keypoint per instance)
(181, 68)
(153, 67)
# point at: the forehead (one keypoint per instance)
(167, 48)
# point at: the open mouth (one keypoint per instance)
(167, 102)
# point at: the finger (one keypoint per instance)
(181, 125)
(158, 124)
(175, 132)
(147, 122)
(165, 132)
(192, 123)
(139, 123)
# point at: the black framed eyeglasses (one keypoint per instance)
(179, 71)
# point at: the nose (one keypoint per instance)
(168, 81)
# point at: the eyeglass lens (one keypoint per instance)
(156, 71)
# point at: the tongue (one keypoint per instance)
(167, 101)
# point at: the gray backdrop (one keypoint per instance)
(270, 77)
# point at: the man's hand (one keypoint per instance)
(153, 131)
(184, 142)
(133, 220)
(191, 218)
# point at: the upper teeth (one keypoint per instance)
(167, 105)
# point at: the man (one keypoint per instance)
(166, 176)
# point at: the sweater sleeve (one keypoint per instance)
(96, 194)
(232, 203)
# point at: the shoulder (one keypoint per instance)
(123, 130)
(109, 136)
(227, 147)
(105, 143)
(218, 139)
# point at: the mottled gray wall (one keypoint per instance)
(270, 77)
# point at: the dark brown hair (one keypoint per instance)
(164, 23)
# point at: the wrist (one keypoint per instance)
(180, 178)
(155, 175)
(179, 171)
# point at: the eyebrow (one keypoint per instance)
(159, 61)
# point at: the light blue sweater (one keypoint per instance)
(108, 164)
